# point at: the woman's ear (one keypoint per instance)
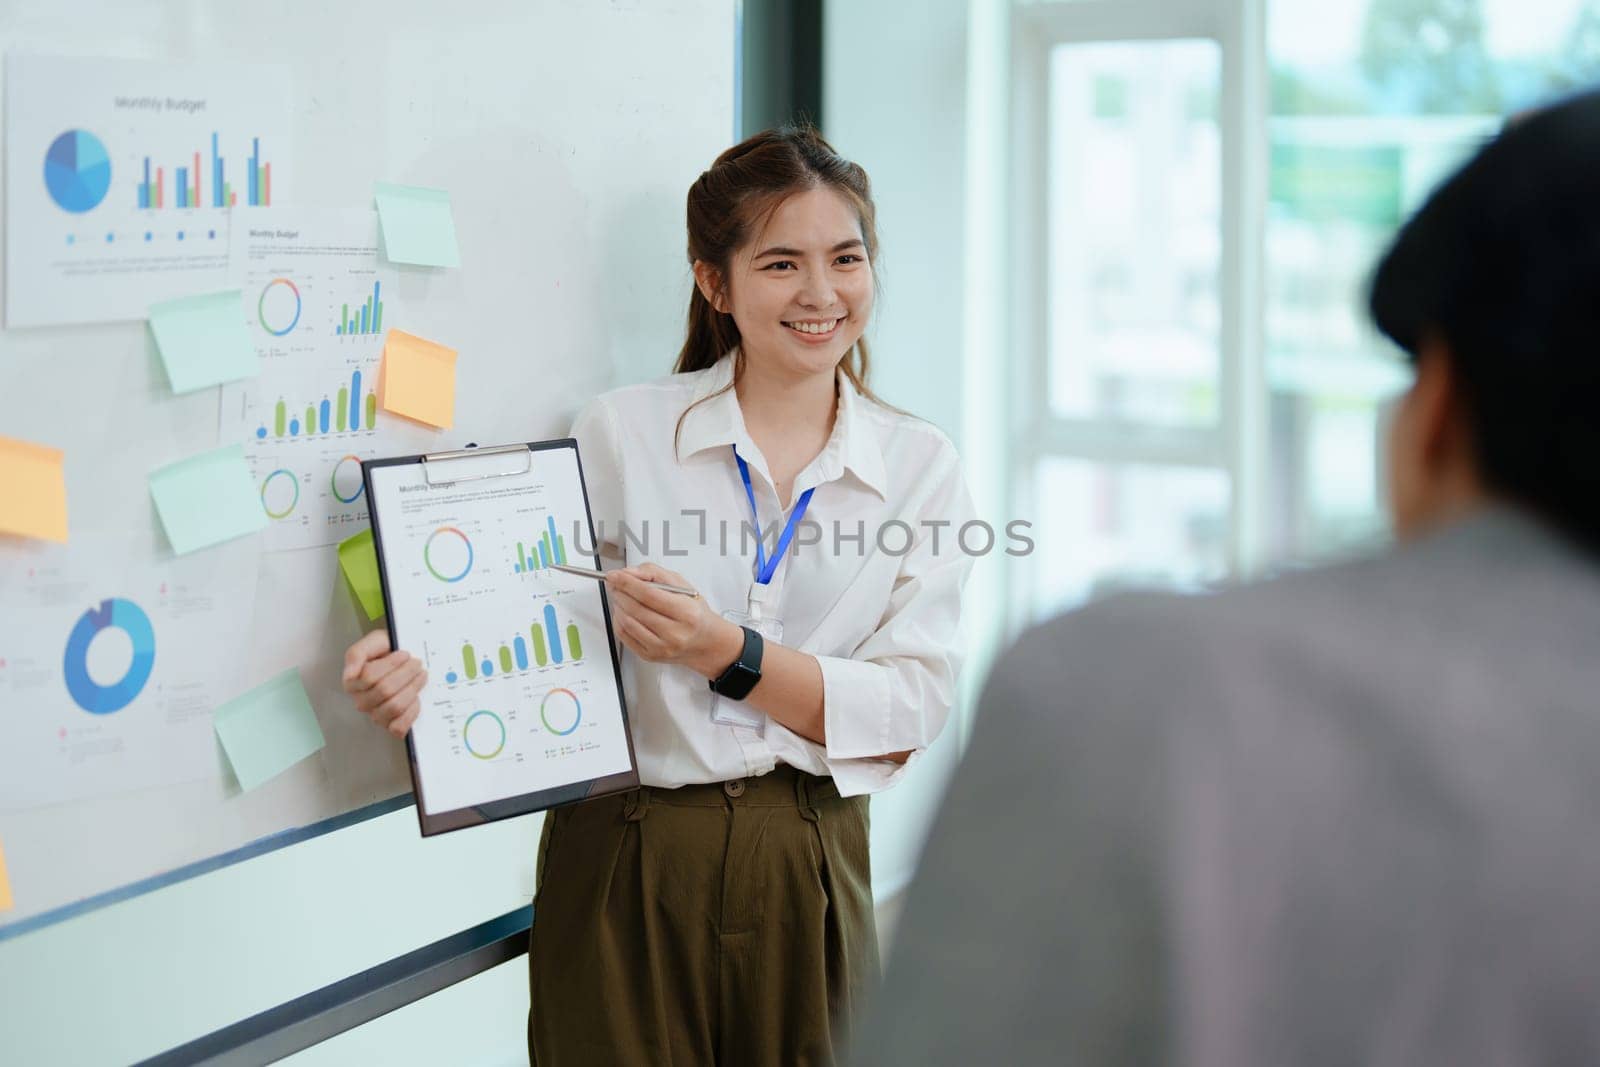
(709, 281)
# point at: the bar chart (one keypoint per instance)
(541, 646)
(550, 548)
(188, 187)
(367, 319)
(346, 410)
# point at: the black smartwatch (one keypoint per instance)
(736, 682)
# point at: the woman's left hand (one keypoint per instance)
(664, 627)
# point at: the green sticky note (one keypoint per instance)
(359, 561)
(207, 498)
(417, 225)
(268, 730)
(203, 340)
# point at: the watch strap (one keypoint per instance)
(742, 675)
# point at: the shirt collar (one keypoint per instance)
(718, 422)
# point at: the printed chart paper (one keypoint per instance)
(109, 667)
(122, 177)
(318, 305)
(522, 689)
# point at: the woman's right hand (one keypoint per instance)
(384, 684)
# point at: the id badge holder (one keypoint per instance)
(735, 712)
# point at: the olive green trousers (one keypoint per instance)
(723, 924)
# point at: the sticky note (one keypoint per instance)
(33, 490)
(268, 730)
(207, 498)
(359, 562)
(6, 903)
(417, 225)
(203, 340)
(417, 379)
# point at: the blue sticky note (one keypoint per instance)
(203, 340)
(207, 498)
(417, 225)
(268, 730)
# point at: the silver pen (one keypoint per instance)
(586, 572)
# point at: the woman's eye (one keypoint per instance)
(782, 264)
(848, 260)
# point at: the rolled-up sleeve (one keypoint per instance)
(895, 691)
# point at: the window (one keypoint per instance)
(1202, 395)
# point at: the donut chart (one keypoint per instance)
(561, 711)
(280, 494)
(90, 695)
(448, 554)
(346, 481)
(484, 734)
(278, 307)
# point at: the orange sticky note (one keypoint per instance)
(5, 883)
(33, 490)
(417, 379)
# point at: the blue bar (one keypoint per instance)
(520, 647)
(551, 633)
(294, 427)
(255, 169)
(216, 174)
(555, 541)
(487, 668)
(544, 560)
(322, 416)
(144, 190)
(338, 330)
(183, 186)
(363, 321)
(355, 401)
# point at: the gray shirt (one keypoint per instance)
(1349, 816)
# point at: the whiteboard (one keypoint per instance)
(567, 132)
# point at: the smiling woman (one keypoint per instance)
(722, 912)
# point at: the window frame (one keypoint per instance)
(1236, 442)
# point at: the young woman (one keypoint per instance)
(722, 912)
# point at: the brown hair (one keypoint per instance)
(745, 185)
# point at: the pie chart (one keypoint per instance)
(77, 171)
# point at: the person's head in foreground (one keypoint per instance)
(1493, 289)
(1350, 816)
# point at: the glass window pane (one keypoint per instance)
(1104, 528)
(1372, 103)
(1134, 241)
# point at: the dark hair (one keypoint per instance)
(744, 186)
(1503, 265)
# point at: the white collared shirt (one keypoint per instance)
(868, 587)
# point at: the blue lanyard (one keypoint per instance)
(766, 568)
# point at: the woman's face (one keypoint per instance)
(801, 291)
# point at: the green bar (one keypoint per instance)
(311, 418)
(539, 655)
(227, 194)
(505, 659)
(377, 317)
(573, 644)
(561, 549)
(469, 661)
(344, 319)
(344, 405)
(277, 422)
(549, 549)
(372, 410)
(522, 560)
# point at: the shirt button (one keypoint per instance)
(734, 788)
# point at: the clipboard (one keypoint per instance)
(514, 719)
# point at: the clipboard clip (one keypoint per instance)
(446, 468)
